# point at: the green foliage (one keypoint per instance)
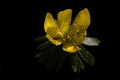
(46, 54)
(86, 55)
(61, 59)
(41, 39)
(76, 62)
(43, 46)
(55, 56)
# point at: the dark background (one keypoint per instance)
(22, 22)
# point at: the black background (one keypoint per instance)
(22, 22)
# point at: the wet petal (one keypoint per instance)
(78, 38)
(50, 25)
(54, 41)
(82, 20)
(64, 20)
(70, 47)
(80, 24)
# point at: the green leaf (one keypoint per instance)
(73, 62)
(46, 54)
(43, 45)
(38, 55)
(76, 62)
(86, 55)
(62, 57)
(74, 67)
(41, 38)
(52, 61)
(80, 63)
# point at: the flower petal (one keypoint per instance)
(56, 42)
(78, 38)
(70, 47)
(50, 25)
(79, 26)
(64, 20)
(82, 20)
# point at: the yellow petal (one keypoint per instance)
(78, 39)
(70, 47)
(82, 20)
(56, 42)
(79, 26)
(50, 26)
(64, 20)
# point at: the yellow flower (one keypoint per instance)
(61, 31)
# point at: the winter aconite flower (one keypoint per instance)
(62, 37)
(62, 32)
